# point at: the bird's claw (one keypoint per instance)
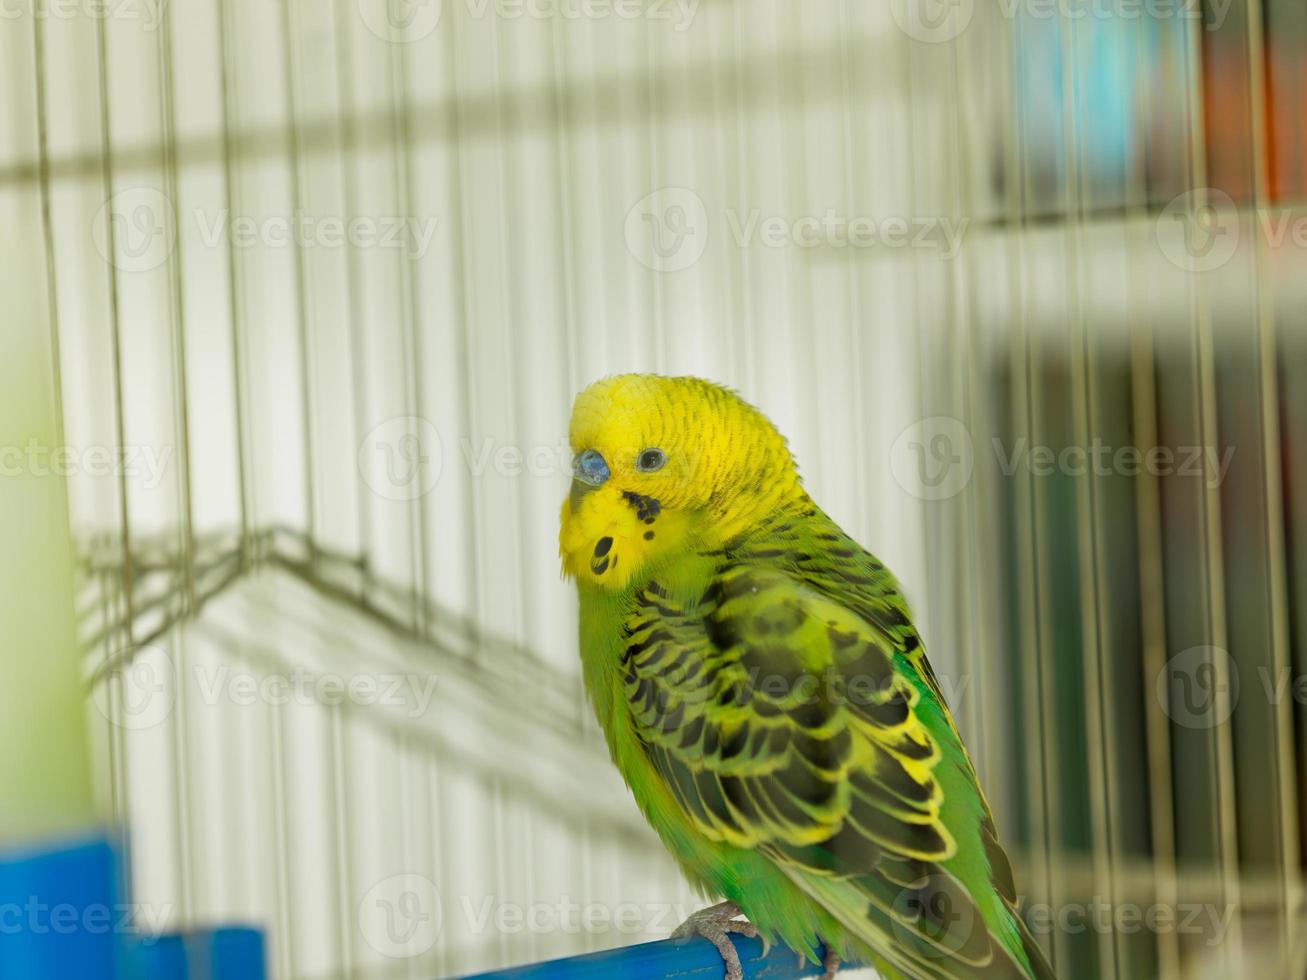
(830, 962)
(715, 924)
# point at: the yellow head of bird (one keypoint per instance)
(661, 465)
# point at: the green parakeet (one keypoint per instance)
(767, 699)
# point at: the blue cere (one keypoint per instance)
(591, 468)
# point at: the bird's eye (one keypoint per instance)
(650, 460)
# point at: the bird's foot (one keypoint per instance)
(831, 961)
(714, 924)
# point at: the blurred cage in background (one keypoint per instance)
(1023, 284)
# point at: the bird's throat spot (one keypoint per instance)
(603, 558)
(647, 509)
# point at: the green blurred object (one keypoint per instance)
(45, 768)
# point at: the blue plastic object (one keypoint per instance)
(160, 958)
(224, 953)
(59, 912)
(680, 958)
(227, 953)
(62, 915)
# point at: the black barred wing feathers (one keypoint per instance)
(810, 729)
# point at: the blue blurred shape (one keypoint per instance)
(681, 958)
(160, 958)
(224, 953)
(1094, 76)
(58, 911)
(227, 953)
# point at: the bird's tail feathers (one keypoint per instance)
(904, 929)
